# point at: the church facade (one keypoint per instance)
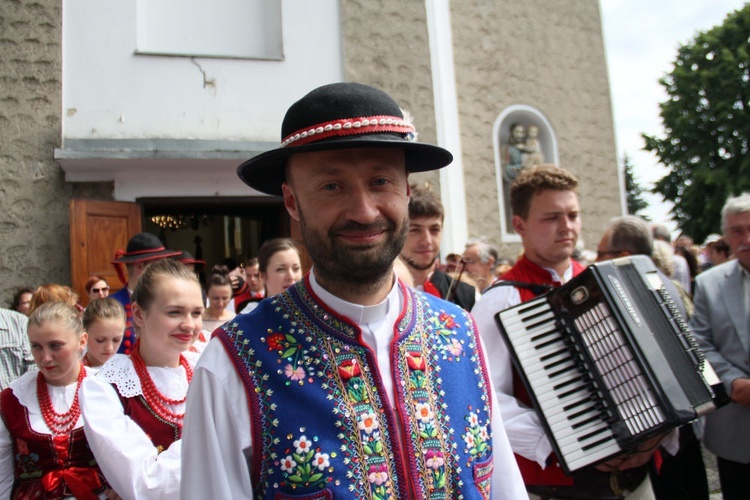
(155, 106)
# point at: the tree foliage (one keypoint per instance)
(706, 122)
(633, 192)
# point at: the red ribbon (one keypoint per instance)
(119, 268)
(81, 481)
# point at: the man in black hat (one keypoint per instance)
(348, 384)
(142, 249)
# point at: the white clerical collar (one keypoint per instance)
(359, 314)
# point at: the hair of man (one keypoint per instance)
(631, 234)
(661, 232)
(425, 203)
(484, 249)
(534, 180)
(733, 206)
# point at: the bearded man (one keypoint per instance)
(348, 384)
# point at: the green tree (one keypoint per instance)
(633, 192)
(706, 124)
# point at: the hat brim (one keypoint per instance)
(145, 257)
(265, 172)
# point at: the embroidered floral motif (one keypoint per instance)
(430, 441)
(321, 360)
(296, 374)
(369, 426)
(27, 462)
(287, 346)
(446, 327)
(476, 437)
(307, 466)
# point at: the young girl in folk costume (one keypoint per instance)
(133, 409)
(43, 449)
(104, 322)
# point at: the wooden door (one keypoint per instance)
(97, 230)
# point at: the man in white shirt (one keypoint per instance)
(348, 384)
(546, 214)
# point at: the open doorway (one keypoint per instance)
(216, 230)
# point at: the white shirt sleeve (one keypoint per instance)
(522, 425)
(6, 461)
(217, 431)
(507, 482)
(124, 452)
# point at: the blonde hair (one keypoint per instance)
(102, 309)
(663, 257)
(145, 288)
(57, 312)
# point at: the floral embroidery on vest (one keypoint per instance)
(347, 438)
(305, 466)
(27, 462)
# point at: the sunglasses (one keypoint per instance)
(102, 289)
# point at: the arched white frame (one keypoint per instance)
(527, 116)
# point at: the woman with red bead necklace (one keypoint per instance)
(133, 409)
(43, 450)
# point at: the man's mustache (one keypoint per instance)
(356, 227)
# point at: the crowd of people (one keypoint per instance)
(380, 373)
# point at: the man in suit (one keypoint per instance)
(423, 246)
(721, 323)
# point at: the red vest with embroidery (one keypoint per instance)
(528, 272)
(162, 432)
(46, 466)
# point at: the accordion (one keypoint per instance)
(608, 361)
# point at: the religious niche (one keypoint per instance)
(523, 150)
(522, 138)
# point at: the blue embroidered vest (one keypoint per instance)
(322, 423)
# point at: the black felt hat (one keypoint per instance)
(143, 247)
(341, 116)
(187, 258)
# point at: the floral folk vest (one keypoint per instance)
(322, 424)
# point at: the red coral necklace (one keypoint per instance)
(58, 423)
(154, 398)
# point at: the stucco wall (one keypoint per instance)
(385, 44)
(34, 237)
(549, 55)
